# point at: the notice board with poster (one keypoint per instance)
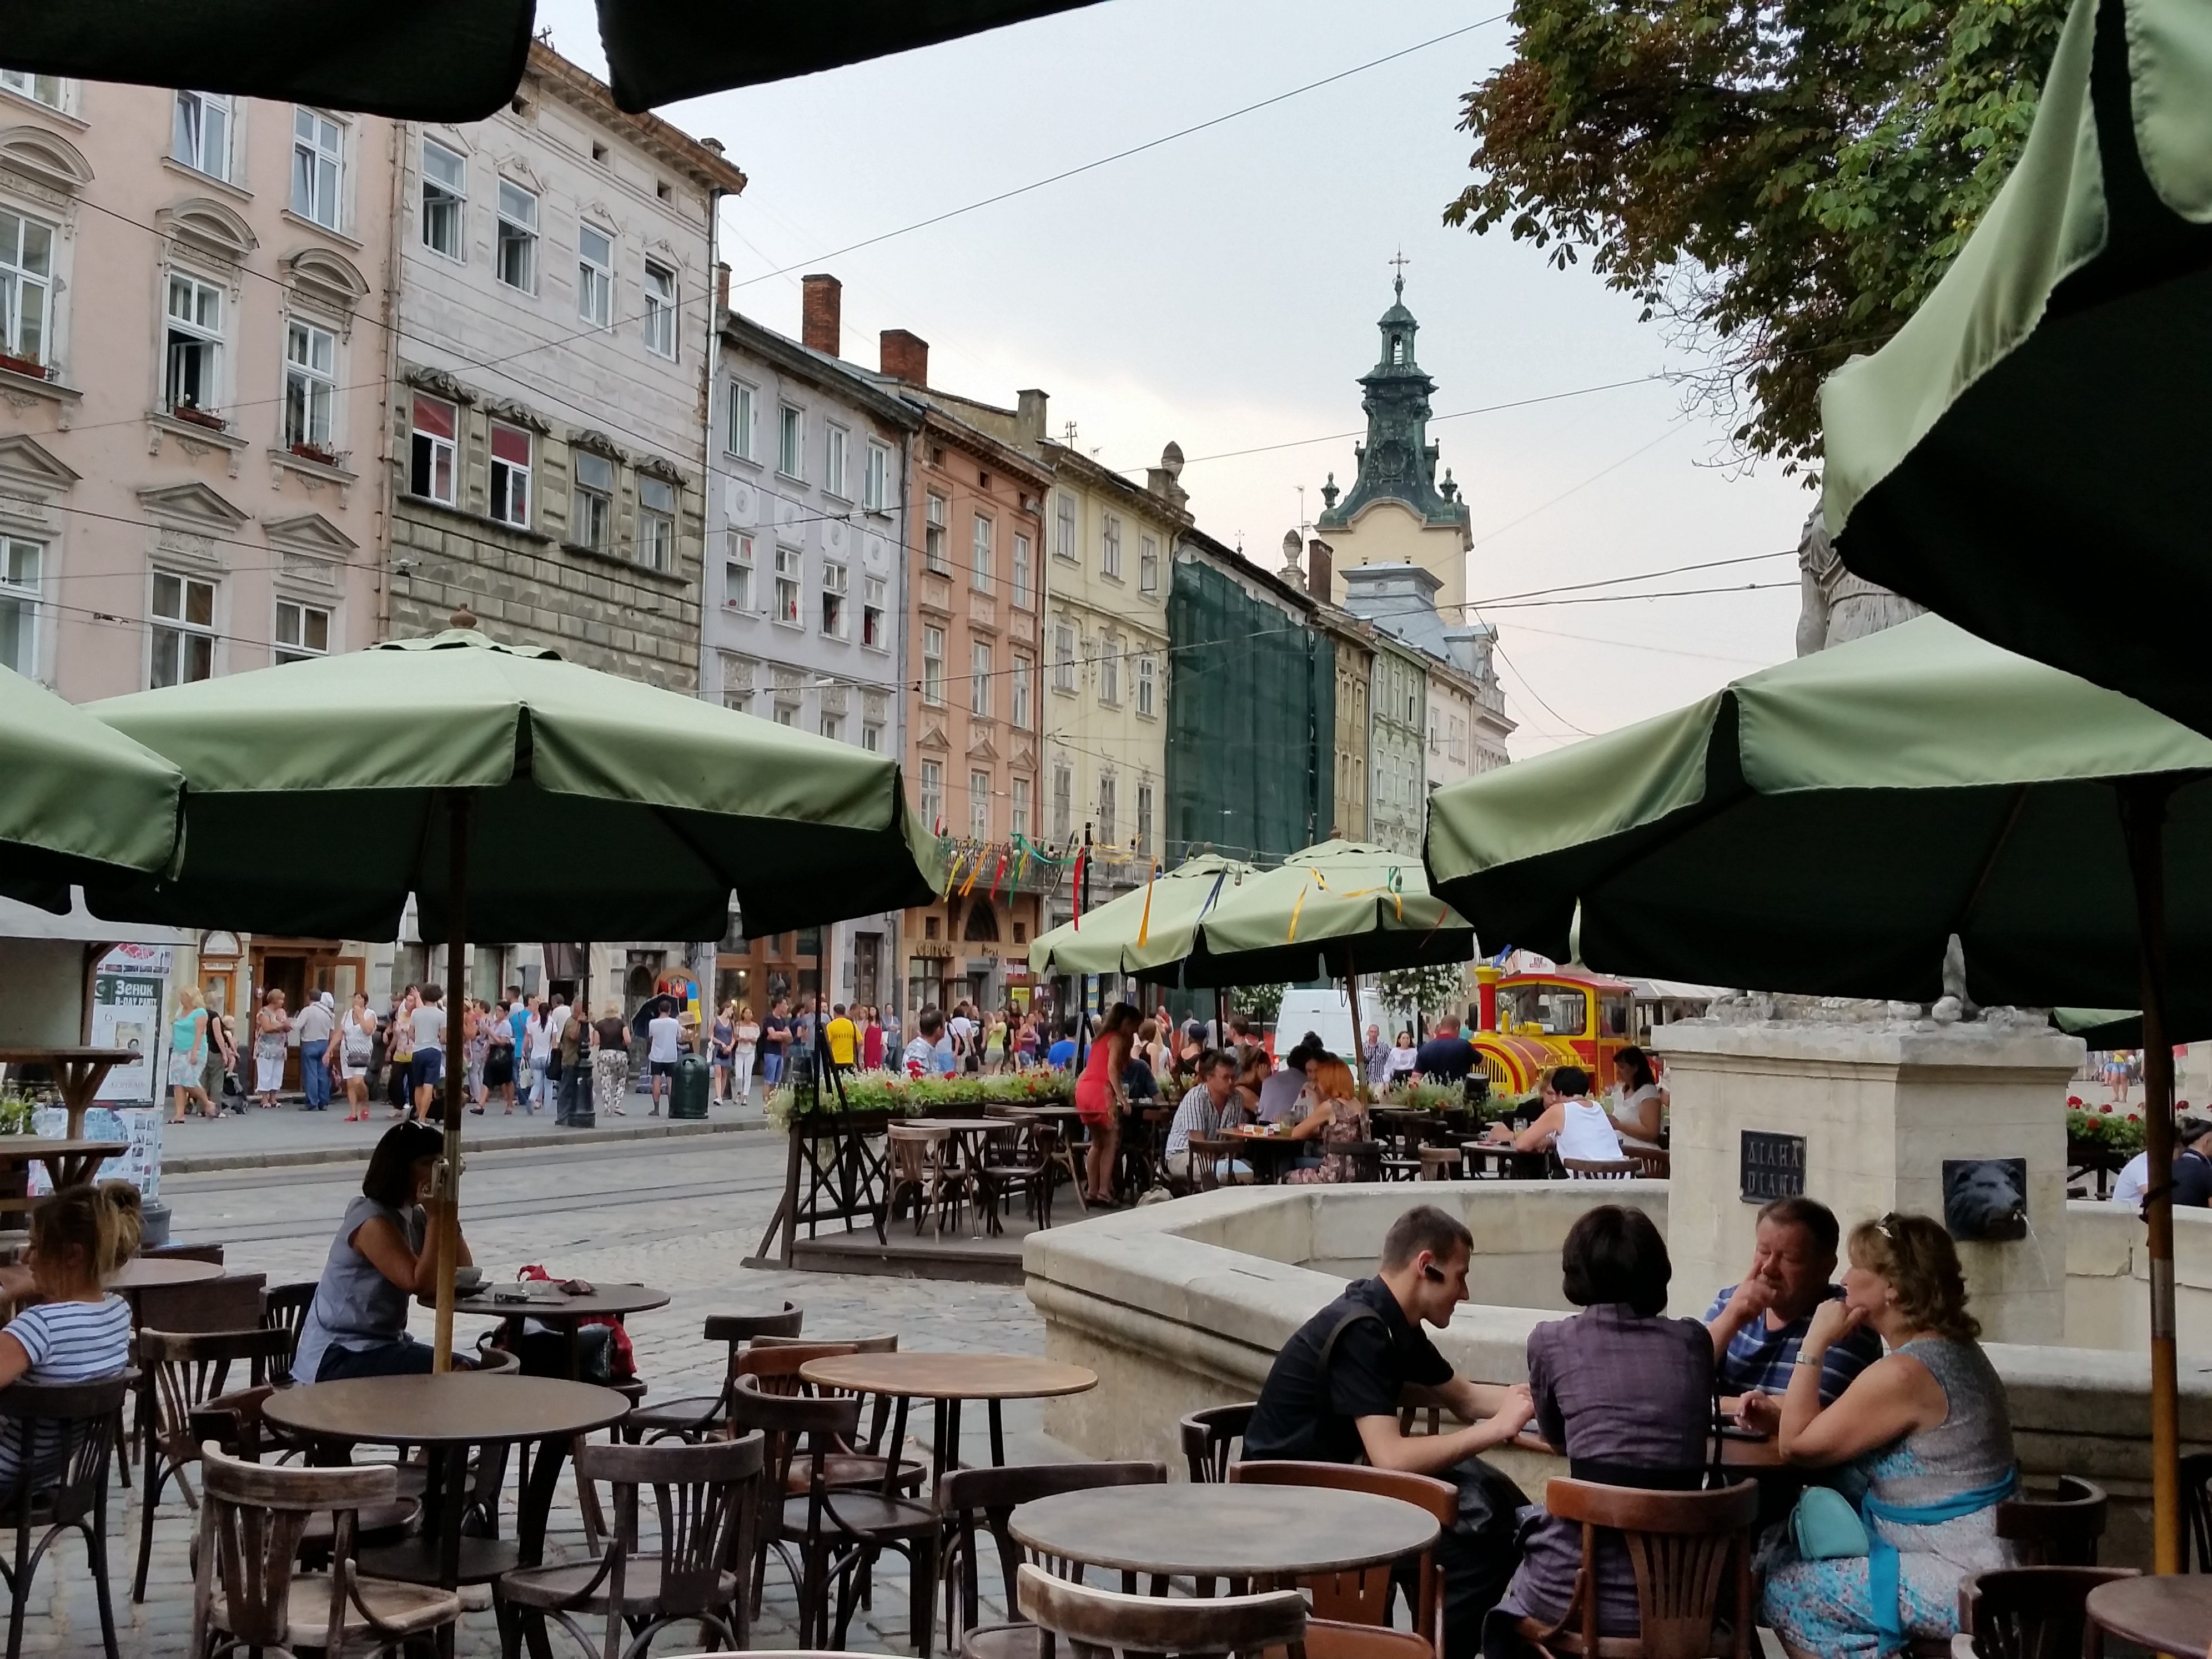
(139, 1129)
(130, 995)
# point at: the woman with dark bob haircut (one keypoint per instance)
(1627, 1395)
(357, 1324)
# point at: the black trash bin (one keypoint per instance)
(688, 1095)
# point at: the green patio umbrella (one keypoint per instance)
(2026, 456)
(1142, 931)
(1336, 910)
(1826, 826)
(81, 804)
(459, 60)
(515, 796)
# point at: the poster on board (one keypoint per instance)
(139, 1129)
(130, 988)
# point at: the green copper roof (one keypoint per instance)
(1397, 463)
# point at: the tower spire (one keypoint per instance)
(1398, 282)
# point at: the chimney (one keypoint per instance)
(1029, 416)
(1319, 569)
(904, 356)
(819, 310)
(721, 287)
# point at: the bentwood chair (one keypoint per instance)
(1364, 1597)
(2033, 1613)
(967, 1499)
(1602, 1169)
(239, 1427)
(61, 1435)
(2056, 1530)
(701, 1416)
(1093, 1622)
(188, 1368)
(1208, 1435)
(1682, 1546)
(284, 1308)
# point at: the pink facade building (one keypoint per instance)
(194, 342)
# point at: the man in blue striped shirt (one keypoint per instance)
(1758, 1325)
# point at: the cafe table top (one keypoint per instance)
(140, 1274)
(604, 1300)
(450, 1408)
(1225, 1531)
(950, 1376)
(2167, 1614)
(21, 1149)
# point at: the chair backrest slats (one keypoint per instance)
(2033, 1613)
(59, 1433)
(1364, 1597)
(704, 1498)
(1207, 1436)
(990, 1496)
(1681, 1547)
(1097, 1619)
(252, 1516)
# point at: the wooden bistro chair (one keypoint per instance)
(238, 1426)
(1681, 1547)
(1097, 1622)
(970, 1497)
(62, 1435)
(884, 1427)
(1602, 1169)
(1016, 1160)
(828, 1536)
(1208, 1435)
(1208, 1154)
(2059, 1530)
(703, 1416)
(246, 1589)
(921, 1165)
(188, 1368)
(2033, 1613)
(1363, 1598)
(284, 1308)
(706, 1497)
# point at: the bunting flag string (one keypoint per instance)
(1145, 922)
(995, 874)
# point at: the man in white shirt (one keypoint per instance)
(429, 1024)
(665, 1037)
(313, 1027)
(1209, 1107)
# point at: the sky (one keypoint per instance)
(1221, 289)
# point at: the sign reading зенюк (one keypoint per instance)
(1772, 1166)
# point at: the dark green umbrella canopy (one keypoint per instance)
(599, 808)
(79, 801)
(1825, 826)
(1143, 931)
(459, 60)
(2027, 456)
(1337, 908)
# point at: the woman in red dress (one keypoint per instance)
(1100, 1098)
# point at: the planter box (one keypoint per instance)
(29, 366)
(200, 418)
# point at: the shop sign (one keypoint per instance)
(1771, 1166)
(128, 987)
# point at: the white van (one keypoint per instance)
(1327, 1014)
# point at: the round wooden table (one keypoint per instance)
(947, 1379)
(562, 1310)
(1263, 1534)
(449, 1414)
(2170, 1614)
(140, 1274)
(1281, 1151)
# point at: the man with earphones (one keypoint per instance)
(1337, 1386)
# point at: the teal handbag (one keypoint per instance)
(1824, 1526)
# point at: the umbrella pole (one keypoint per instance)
(447, 1185)
(1352, 995)
(2143, 815)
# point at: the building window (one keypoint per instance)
(26, 269)
(318, 167)
(430, 457)
(873, 613)
(980, 554)
(1063, 544)
(1063, 658)
(737, 440)
(1109, 672)
(1021, 699)
(833, 463)
(1148, 565)
(932, 667)
(833, 728)
(875, 487)
(738, 574)
(659, 310)
(789, 574)
(203, 132)
(871, 738)
(834, 590)
(1063, 800)
(1109, 548)
(656, 523)
(510, 474)
(19, 564)
(310, 385)
(593, 512)
(302, 631)
(932, 536)
(595, 276)
(790, 441)
(40, 88)
(979, 805)
(979, 681)
(786, 713)
(1021, 584)
(195, 344)
(1018, 816)
(932, 793)
(1144, 820)
(518, 237)
(445, 198)
(1107, 791)
(1147, 686)
(184, 629)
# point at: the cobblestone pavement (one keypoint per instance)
(680, 1216)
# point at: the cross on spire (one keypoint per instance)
(1398, 282)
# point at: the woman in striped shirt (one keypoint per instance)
(77, 1332)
